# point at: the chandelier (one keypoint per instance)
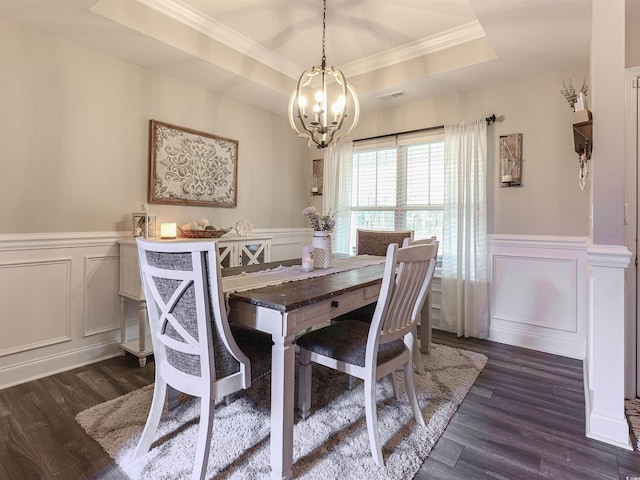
(324, 106)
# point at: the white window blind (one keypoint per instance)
(398, 184)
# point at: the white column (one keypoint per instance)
(605, 372)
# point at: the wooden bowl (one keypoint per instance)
(204, 233)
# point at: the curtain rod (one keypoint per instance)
(489, 120)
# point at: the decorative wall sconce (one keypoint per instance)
(143, 223)
(511, 160)
(168, 230)
(316, 176)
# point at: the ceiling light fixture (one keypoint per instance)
(324, 106)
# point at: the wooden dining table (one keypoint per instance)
(285, 311)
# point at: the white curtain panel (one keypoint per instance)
(338, 160)
(465, 299)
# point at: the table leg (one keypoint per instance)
(282, 406)
(425, 326)
(142, 326)
(123, 323)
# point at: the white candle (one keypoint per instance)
(507, 179)
(168, 230)
(307, 259)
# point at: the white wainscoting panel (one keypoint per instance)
(539, 293)
(543, 297)
(286, 243)
(101, 299)
(34, 304)
(59, 301)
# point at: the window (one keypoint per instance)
(398, 185)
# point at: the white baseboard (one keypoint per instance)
(45, 366)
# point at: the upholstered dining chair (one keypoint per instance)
(425, 318)
(375, 242)
(371, 351)
(196, 350)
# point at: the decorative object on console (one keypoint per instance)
(188, 167)
(168, 230)
(244, 228)
(510, 160)
(327, 88)
(202, 229)
(209, 232)
(143, 223)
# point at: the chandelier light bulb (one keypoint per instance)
(302, 103)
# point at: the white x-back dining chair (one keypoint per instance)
(196, 350)
(371, 351)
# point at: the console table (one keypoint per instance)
(234, 250)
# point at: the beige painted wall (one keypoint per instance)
(632, 33)
(550, 201)
(74, 136)
(74, 131)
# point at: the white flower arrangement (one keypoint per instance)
(320, 223)
(571, 96)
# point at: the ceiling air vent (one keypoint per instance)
(387, 96)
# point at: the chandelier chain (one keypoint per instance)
(324, 28)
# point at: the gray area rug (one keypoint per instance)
(331, 444)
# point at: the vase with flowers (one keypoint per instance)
(322, 227)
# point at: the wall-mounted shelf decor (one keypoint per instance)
(316, 176)
(510, 160)
(583, 142)
(583, 139)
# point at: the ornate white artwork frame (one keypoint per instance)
(188, 167)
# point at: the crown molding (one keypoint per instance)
(180, 12)
(425, 46)
(186, 15)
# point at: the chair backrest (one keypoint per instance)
(375, 242)
(406, 281)
(425, 241)
(193, 345)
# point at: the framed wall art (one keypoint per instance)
(188, 167)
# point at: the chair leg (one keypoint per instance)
(394, 385)
(153, 419)
(372, 420)
(205, 427)
(417, 357)
(304, 383)
(411, 392)
(351, 382)
(172, 398)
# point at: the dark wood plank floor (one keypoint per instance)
(523, 419)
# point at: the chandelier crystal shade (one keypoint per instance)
(324, 106)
